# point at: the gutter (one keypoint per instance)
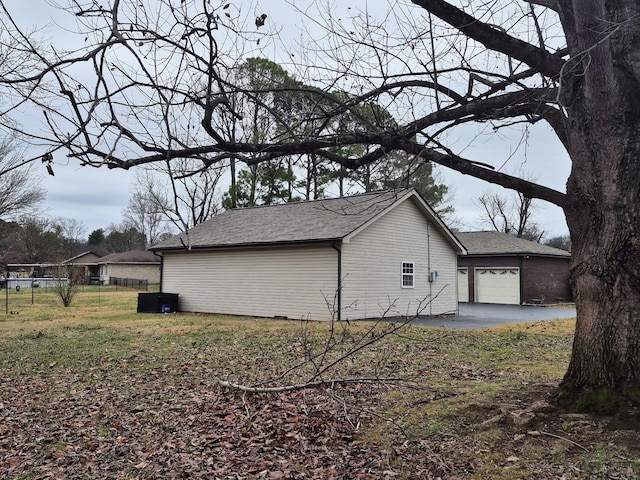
(319, 241)
(517, 254)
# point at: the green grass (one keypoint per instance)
(455, 402)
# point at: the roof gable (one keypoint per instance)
(84, 257)
(326, 220)
(496, 243)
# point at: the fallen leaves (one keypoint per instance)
(131, 398)
(173, 422)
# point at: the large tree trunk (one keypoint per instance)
(602, 94)
(604, 371)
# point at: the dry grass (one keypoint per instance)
(470, 404)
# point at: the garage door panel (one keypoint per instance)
(498, 285)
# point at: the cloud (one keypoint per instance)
(95, 197)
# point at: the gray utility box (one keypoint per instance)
(157, 302)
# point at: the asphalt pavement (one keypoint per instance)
(481, 315)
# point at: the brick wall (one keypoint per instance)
(546, 279)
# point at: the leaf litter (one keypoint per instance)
(150, 406)
(115, 421)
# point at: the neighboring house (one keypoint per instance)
(84, 258)
(89, 267)
(365, 256)
(134, 264)
(83, 267)
(500, 268)
(86, 265)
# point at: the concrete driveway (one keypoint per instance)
(481, 315)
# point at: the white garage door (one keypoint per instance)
(498, 285)
(463, 285)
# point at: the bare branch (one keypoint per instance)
(468, 167)
(550, 4)
(308, 385)
(494, 39)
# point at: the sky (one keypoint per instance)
(97, 197)
(544, 161)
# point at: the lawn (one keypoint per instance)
(98, 391)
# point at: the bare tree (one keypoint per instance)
(144, 215)
(563, 242)
(72, 231)
(510, 214)
(66, 283)
(176, 194)
(405, 171)
(20, 191)
(438, 67)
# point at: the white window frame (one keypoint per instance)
(407, 275)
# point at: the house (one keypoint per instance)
(500, 268)
(134, 264)
(84, 258)
(88, 267)
(85, 264)
(364, 256)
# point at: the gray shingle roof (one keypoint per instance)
(303, 222)
(132, 256)
(496, 243)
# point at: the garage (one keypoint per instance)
(463, 285)
(498, 285)
(505, 269)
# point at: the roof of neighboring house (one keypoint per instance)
(326, 220)
(84, 258)
(496, 243)
(132, 256)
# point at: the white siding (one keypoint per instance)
(497, 285)
(273, 281)
(372, 261)
(151, 273)
(463, 285)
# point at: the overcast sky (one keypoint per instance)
(96, 197)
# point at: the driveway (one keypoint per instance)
(481, 315)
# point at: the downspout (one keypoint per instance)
(161, 272)
(429, 269)
(336, 247)
(6, 291)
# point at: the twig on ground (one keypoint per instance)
(565, 439)
(304, 386)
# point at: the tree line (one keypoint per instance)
(32, 239)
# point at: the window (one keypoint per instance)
(407, 274)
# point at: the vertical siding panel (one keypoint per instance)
(294, 282)
(372, 268)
